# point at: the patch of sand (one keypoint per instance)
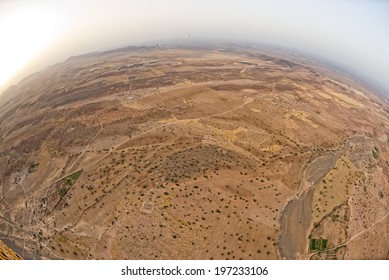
(272, 148)
(301, 115)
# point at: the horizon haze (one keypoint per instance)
(39, 33)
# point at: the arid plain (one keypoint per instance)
(193, 153)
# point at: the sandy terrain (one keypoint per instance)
(193, 153)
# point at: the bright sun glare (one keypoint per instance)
(25, 31)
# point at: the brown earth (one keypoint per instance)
(193, 153)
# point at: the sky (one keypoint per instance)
(38, 33)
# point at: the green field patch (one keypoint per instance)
(318, 244)
(323, 244)
(33, 167)
(62, 192)
(72, 178)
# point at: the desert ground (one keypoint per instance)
(194, 153)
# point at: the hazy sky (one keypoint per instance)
(37, 33)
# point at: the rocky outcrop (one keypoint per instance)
(7, 253)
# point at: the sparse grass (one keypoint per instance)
(72, 178)
(33, 167)
(375, 153)
(62, 192)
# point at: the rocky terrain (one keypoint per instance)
(7, 254)
(194, 153)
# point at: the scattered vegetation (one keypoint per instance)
(195, 171)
